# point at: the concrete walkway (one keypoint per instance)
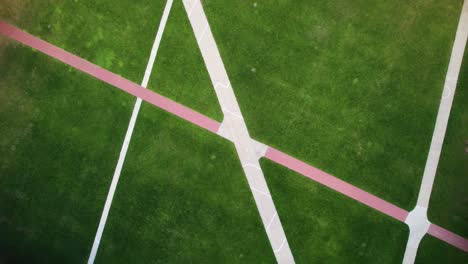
(233, 127)
(128, 135)
(417, 219)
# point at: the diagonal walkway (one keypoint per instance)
(205, 122)
(234, 126)
(417, 220)
(128, 135)
(336, 184)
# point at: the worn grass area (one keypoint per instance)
(449, 200)
(180, 71)
(61, 133)
(182, 198)
(323, 226)
(433, 250)
(115, 35)
(351, 87)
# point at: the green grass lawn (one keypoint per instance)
(179, 72)
(116, 35)
(61, 132)
(449, 201)
(358, 85)
(350, 87)
(182, 198)
(433, 250)
(323, 226)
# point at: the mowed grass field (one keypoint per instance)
(62, 130)
(352, 88)
(449, 201)
(58, 150)
(182, 198)
(323, 226)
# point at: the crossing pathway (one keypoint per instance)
(417, 220)
(234, 128)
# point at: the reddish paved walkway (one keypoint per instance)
(213, 126)
(449, 237)
(336, 184)
(110, 78)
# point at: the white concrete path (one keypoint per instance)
(233, 128)
(128, 135)
(417, 219)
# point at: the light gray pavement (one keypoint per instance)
(233, 128)
(128, 135)
(417, 219)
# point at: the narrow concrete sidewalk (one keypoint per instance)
(233, 128)
(417, 219)
(128, 135)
